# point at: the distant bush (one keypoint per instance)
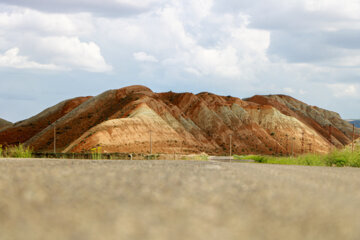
(17, 151)
(202, 157)
(343, 158)
(256, 158)
(196, 157)
(96, 153)
(152, 156)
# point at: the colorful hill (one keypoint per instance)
(123, 120)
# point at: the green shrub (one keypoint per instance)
(96, 153)
(153, 156)
(19, 151)
(355, 160)
(343, 158)
(309, 160)
(256, 158)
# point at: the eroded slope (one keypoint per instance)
(22, 131)
(122, 120)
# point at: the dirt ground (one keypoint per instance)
(85, 199)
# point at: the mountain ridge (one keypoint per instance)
(356, 122)
(122, 120)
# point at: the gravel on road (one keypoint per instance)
(177, 200)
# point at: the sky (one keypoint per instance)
(59, 49)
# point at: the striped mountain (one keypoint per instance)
(122, 120)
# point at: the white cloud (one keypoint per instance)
(175, 33)
(288, 90)
(223, 62)
(105, 7)
(136, 3)
(12, 59)
(348, 8)
(236, 49)
(27, 20)
(341, 90)
(53, 39)
(352, 59)
(192, 71)
(72, 53)
(144, 57)
(302, 92)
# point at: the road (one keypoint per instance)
(177, 200)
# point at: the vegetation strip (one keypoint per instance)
(338, 158)
(16, 151)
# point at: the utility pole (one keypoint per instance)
(292, 147)
(150, 143)
(230, 144)
(330, 137)
(55, 137)
(313, 141)
(302, 142)
(353, 138)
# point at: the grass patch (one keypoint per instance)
(306, 160)
(343, 158)
(338, 158)
(153, 156)
(201, 157)
(195, 157)
(256, 158)
(96, 153)
(17, 151)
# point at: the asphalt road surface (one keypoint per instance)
(180, 200)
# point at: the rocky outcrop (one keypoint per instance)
(124, 120)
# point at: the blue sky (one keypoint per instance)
(58, 49)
